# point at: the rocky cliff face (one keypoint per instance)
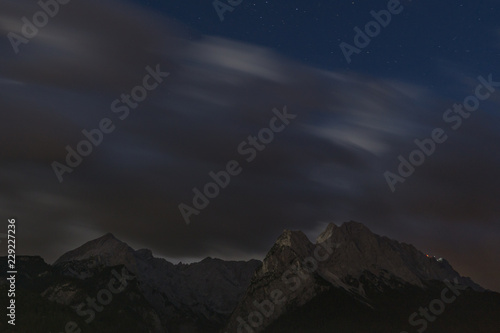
(348, 280)
(349, 257)
(203, 293)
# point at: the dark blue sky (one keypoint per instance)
(426, 42)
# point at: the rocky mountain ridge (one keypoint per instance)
(348, 269)
(348, 257)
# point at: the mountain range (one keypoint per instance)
(348, 280)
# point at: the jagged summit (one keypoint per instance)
(363, 251)
(292, 237)
(349, 269)
(106, 249)
(350, 228)
(354, 226)
(206, 291)
(327, 233)
(359, 251)
(108, 235)
(350, 258)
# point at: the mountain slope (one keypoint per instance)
(45, 297)
(195, 297)
(349, 280)
(349, 261)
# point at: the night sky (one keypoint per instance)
(351, 121)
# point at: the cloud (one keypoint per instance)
(327, 165)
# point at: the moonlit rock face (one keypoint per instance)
(107, 250)
(348, 257)
(209, 289)
(363, 251)
(355, 253)
(348, 264)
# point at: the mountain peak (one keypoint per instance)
(103, 249)
(291, 238)
(347, 259)
(346, 228)
(327, 233)
(108, 235)
(354, 226)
